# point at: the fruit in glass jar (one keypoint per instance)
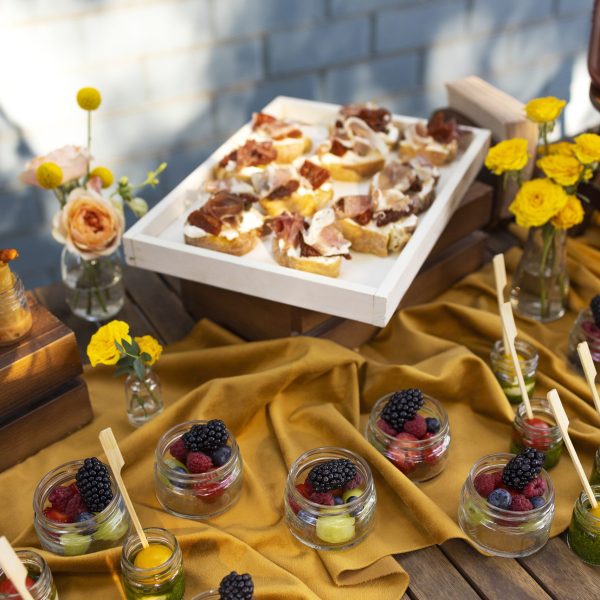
(336, 529)
(153, 556)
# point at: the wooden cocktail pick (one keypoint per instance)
(587, 362)
(563, 423)
(116, 462)
(510, 331)
(500, 276)
(13, 568)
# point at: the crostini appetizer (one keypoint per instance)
(437, 141)
(377, 118)
(245, 161)
(288, 138)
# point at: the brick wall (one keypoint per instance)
(177, 76)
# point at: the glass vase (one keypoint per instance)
(94, 288)
(144, 397)
(540, 285)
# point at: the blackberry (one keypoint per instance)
(401, 407)
(236, 587)
(93, 483)
(206, 437)
(595, 307)
(523, 468)
(331, 475)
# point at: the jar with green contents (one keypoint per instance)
(150, 579)
(584, 531)
(595, 477)
(39, 579)
(541, 432)
(504, 371)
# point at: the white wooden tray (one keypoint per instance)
(368, 289)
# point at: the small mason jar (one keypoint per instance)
(15, 314)
(163, 582)
(39, 571)
(106, 529)
(584, 330)
(547, 440)
(196, 495)
(419, 460)
(208, 595)
(583, 535)
(595, 476)
(318, 526)
(144, 397)
(501, 532)
(503, 368)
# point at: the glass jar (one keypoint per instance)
(504, 370)
(164, 582)
(144, 397)
(39, 571)
(94, 288)
(498, 531)
(15, 314)
(209, 595)
(595, 476)
(316, 525)
(547, 440)
(106, 530)
(583, 535)
(196, 495)
(584, 330)
(419, 460)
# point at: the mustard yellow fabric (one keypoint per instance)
(283, 397)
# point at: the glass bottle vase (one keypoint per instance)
(144, 397)
(540, 285)
(94, 288)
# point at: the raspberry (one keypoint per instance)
(520, 503)
(485, 484)
(55, 515)
(417, 426)
(305, 489)
(75, 506)
(386, 427)
(60, 496)
(357, 482)
(179, 451)
(498, 483)
(405, 437)
(198, 462)
(324, 498)
(401, 455)
(534, 488)
(208, 491)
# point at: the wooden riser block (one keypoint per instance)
(49, 422)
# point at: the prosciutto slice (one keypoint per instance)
(287, 227)
(442, 131)
(375, 117)
(220, 208)
(276, 129)
(251, 154)
(324, 235)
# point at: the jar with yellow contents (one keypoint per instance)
(15, 315)
(504, 370)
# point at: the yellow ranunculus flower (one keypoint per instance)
(562, 148)
(102, 349)
(544, 110)
(537, 202)
(564, 170)
(49, 175)
(587, 148)
(89, 98)
(509, 155)
(570, 215)
(151, 346)
(105, 175)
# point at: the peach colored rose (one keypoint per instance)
(89, 224)
(73, 161)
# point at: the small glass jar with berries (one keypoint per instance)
(541, 432)
(234, 586)
(504, 369)
(39, 580)
(412, 430)
(583, 535)
(330, 499)
(507, 504)
(78, 509)
(198, 470)
(586, 329)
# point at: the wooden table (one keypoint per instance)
(451, 571)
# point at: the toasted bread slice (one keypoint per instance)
(244, 174)
(289, 149)
(242, 244)
(321, 265)
(436, 154)
(353, 171)
(305, 204)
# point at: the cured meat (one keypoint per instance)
(396, 174)
(287, 227)
(276, 129)
(221, 207)
(315, 174)
(325, 236)
(337, 147)
(352, 206)
(287, 189)
(375, 117)
(442, 131)
(388, 216)
(253, 154)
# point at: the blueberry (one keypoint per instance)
(338, 500)
(500, 498)
(350, 498)
(433, 425)
(537, 501)
(306, 517)
(175, 482)
(86, 516)
(221, 455)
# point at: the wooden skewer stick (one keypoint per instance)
(13, 568)
(563, 423)
(116, 462)
(510, 330)
(500, 276)
(587, 362)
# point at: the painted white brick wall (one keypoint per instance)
(178, 76)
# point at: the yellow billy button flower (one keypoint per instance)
(89, 98)
(544, 110)
(49, 175)
(102, 349)
(509, 155)
(105, 175)
(564, 170)
(150, 346)
(587, 148)
(570, 215)
(537, 202)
